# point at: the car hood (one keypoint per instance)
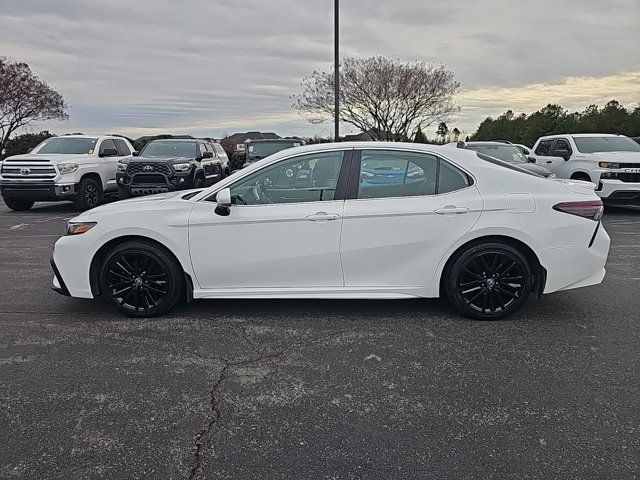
(54, 158)
(161, 159)
(132, 205)
(619, 157)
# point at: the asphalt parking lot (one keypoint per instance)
(315, 389)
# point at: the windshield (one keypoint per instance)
(170, 149)
(606, 144)
(506, 153)
(258, 150)
(68, 146)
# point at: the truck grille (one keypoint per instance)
(135, 167)
(627, 177)
(27, 171)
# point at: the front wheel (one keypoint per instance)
(18, 204)
(89, 194)
(489, 281)
(141, 279)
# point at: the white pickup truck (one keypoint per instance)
(79, 168)
(611, 162)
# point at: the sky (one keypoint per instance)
(212, 67)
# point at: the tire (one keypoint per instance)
(89, 194)
(581, 176)
(123, 193)
(18, 204)
(141, 279)
(488, 281)
(198, 182)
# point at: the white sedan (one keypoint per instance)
(347, 220)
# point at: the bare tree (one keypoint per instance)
(24, 98)
(388, 98)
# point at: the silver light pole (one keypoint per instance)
(336, 68)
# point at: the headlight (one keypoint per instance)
(122, 165)
(182, 167)
(609, 165)
(76, 228)
(66, 168)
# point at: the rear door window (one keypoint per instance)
(123, 149)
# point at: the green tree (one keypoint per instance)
(420, 137)
(21, 144)
(442, 131)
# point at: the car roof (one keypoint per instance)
(491, 143)
(580, 135)
(178, 140)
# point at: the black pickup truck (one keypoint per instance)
(168, 165)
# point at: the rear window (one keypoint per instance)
(510, 166)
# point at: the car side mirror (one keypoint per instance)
(207, 155)
(136, 153)
(223, 199)
(562, 153)
(532, 159)
(109, 152)
(30, 150)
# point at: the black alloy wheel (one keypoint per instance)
(89, 194)
(489, 281)
(141, 280)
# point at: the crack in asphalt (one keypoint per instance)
(215, 412)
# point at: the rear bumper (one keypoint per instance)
(38, 191)
(618, 192)
(575, 267)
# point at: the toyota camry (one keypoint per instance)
(348, 220)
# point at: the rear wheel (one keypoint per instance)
(18, 204)
(89, 194)
(489, 281)
(141, 279)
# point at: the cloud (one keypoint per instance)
(213, 66)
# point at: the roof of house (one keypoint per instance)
(243, 137)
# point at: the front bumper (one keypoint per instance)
(149, 184)
(38, 191)
(619, 192)
(58, 283)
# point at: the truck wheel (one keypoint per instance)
(18, 204)
(89, 194)
(199, 182)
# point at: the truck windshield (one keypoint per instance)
(606, 144)
(506, 153)
(258, 150)
(170, 149)
(68, 146)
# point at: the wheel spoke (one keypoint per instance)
(500, 300)
(470, 301)
(473, 274)
(507, 292)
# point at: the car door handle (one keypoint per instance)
(322, 217)
(452, 210)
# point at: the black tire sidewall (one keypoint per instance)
(451, 281)
(18, 204)
(169, 264)
(198, 182)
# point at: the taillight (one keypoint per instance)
(593, 209)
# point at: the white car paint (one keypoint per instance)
(361, 248)
(587, 165)
(89, 163)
